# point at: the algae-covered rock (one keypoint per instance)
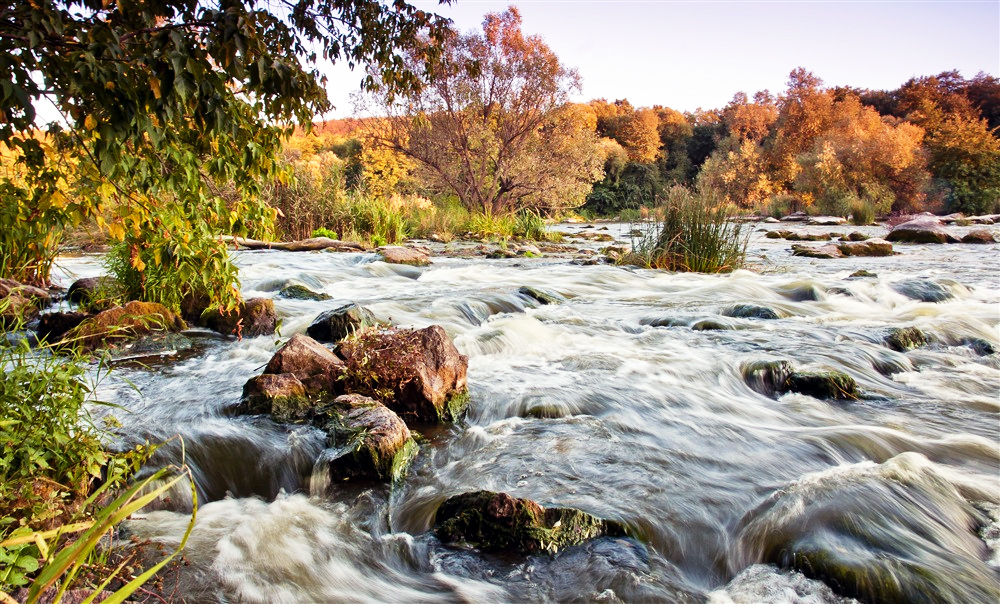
(280, 395)
(539, 295)
(749, 311)
(902, 339)
(767, 377)
(499, 522)
(374, 442)
(824, 385)
(123, 323)
(335, 325)
(313, 364)
(301, 292)
(418, 373)
(255, 317)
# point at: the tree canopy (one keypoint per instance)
(493, 125)
(172, 113)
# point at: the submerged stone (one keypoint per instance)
(824, 385)
(923, 290)
(500, 522)
(902, 339)
(335, 325)
(539, 295)
(749, 311)
(767, 377)
(301, 292)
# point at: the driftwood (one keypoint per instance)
(305, 245)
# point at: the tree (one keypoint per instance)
(492, 125)
(165, 102)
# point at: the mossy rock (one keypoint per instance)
(823, 385)
(121, 324)
(500, 522)
(749, 311)
(858, 274)
(539, 295)
(767, 377)
(301, 292)
(902, 339)
(280, 395)
(254, 317)
(374, 442)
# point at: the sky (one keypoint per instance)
(698, 53)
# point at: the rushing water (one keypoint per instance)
(627, 400)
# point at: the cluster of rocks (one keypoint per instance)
(927, 228)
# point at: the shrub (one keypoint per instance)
(444, 219)
(530, 225)
(862, 212)
(694, 235)
(487, 225)
(324, 232)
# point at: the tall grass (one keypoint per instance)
(694, 235)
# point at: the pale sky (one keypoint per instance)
(698, 53)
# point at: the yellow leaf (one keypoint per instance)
(154, 83)
(90, 123)
(116, 231)
(138, 263)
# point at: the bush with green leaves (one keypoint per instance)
(695, 235)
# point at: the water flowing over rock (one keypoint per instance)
(922, 229)
(902, 339)
(923, 290)
(335, 325)
(499, 522)
(254, 317)
(123, 323)
(374, 442)
(301, 292)
(541, 296)
(767, 377)
(749, 311)
(313, 364)
(394, 254)
(824, 385)
(418, 373)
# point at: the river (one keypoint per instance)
(626, 400)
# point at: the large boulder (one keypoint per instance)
(922, 229)
(313, 364)
(499, 522)
(418, 373)
(254, 317)
(335, 325)
(373, 442)
(280, 395)
(123, 323)
(394, 254)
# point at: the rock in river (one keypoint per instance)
(418, 373)
(335, 325)
(373, 441)
(499, 522)
(280, 395)
(922, 229)
(255, 317)
(313, 364)
(123, 323)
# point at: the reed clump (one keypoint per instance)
(695, 234)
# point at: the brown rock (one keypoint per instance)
(123, 323)
(312, 363)
(922, 229)
(94, 291)
(280, 395)
(979, 236)
(821, 251)
(9, 286)
(255, 317)
(418, 373)
(395, 254)
(375, 441)
(22, 301)
(870, 247)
